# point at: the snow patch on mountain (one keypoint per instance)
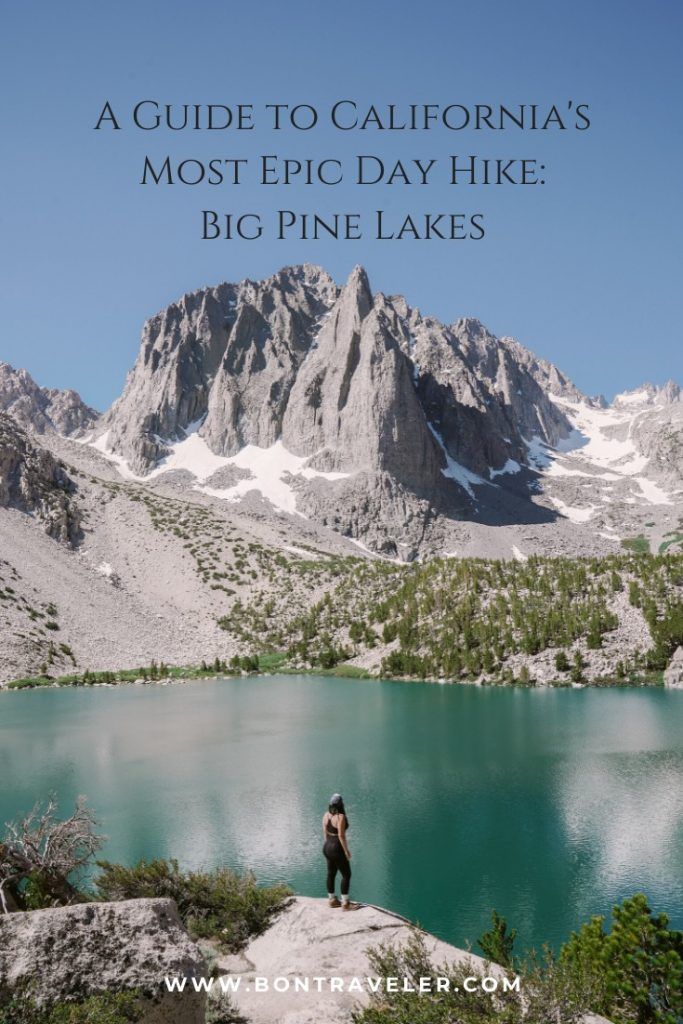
(454, 471)
(603, 445)
(577, 515)
(268, 468)
(652, 492)
(511, 466)
(539, 454)
(601, 436)
(632, 397)
(100, 444)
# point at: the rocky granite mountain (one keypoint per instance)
(296, 359)
(43, 410)
(361, 413)
(36, 483)
(275, 438)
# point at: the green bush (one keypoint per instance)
(640, 545)
(577, 668)
(457, 1006)
(218, 904)
(635, 970)
(562, 662)
(108, 1008)
(223, 1011)
(667, 633)
(632, 974)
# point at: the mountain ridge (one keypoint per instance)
(401, 420)
(43, 410)
(384, 425)
(280, 453)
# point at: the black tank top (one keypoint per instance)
(331, 830)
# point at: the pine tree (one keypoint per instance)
(497, 943)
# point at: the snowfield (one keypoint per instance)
(268, 469)
(600, 447)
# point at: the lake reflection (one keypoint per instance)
(547, 805)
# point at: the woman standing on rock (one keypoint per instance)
(337, 853)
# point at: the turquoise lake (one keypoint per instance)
(549, 805)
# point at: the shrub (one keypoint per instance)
(577, 667)
(108, 1008)
(223, 1011)
(218, 904)
(636, 969)
(640, 545)
(356, 632)
(667, 633)
(456, 1005)
(43, 857)
(632, 974)
(562, 662)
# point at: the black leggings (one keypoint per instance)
(337, 861)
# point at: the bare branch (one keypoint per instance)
(53, 852)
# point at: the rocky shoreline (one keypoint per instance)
(672, 678)
(310, 966)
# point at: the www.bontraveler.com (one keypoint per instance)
(231, 984)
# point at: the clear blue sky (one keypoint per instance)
(585, 270)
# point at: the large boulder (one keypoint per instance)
(70, 953)
(310, 941)
(673, 675)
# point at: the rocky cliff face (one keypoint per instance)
(657, 430)
(226, 357)
(376, 420)
(392, 413)
(33, 481)
(350, 381)
(43, 410)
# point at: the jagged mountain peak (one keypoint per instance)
(471, 327)
(286, 283)
(355, 299)
(650, 394)
(370, 416)
(358, 278)
(545, 373)
(339, 377)
(43, 410)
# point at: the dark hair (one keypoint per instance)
(338, 808)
